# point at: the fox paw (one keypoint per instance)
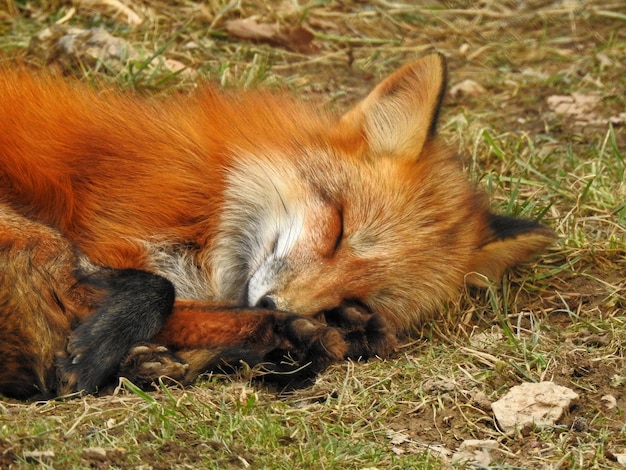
(303, 346)
(146, 363)
(366, 333)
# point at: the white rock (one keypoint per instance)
(541, 404)
(609, 401)
(467, 88)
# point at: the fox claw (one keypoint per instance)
(145, 363)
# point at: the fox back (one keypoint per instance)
(257, 200)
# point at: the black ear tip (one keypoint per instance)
(504, 226)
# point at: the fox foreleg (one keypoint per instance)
(134, 307)
(286, 348)
(204, 337)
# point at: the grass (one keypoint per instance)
(561, 319)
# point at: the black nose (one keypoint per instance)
(266, 302)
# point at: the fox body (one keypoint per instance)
(228, 226)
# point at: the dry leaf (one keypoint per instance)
(297, 39)
(177, 66)
(581, 107)
(248, 28)
(36, 456)
(475, 452)
(90, 46)
(576, 105)
(120, 8)
(397, 437)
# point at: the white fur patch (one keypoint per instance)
(262, 281)
(261, 222)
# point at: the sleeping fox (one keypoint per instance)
(146, 238)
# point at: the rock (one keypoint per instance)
(438, 387)
(95, 453)
(467, 88)
(609, 401)
(621, 459)
(539, 404)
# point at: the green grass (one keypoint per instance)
(560, 319)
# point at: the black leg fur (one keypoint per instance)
(134, 307)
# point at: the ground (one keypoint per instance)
(536, 104)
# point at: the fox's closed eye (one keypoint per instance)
(328, 232)
(339, 236)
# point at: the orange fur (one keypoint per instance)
(249, 202)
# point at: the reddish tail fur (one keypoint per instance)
(281, 229)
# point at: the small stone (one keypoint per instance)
(95, 453)
(609, 401)
(467, 88)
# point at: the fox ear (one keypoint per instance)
(399, 115)
(510, 241)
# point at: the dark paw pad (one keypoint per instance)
(304, 347)
(146, 363)
(366, 333)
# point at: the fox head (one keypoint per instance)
(372, 209)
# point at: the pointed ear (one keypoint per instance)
(399, 115)
(510, 241)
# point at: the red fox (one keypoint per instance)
(144, 238)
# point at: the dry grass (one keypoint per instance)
(561, 319)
